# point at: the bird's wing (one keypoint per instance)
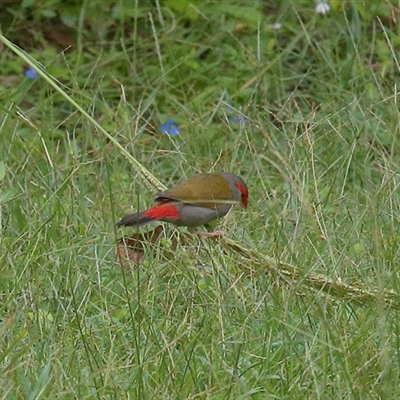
(205, 190)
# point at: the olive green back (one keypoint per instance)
(206, 190)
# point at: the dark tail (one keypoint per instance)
(137, 219)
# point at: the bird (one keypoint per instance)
(196, 201)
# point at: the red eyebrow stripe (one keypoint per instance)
(241, 187)
(245, 193)
(162, 211)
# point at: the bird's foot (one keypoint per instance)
(210, 234)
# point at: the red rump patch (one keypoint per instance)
(163, 210)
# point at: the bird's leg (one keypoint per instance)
(209, 233)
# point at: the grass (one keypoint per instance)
(300, 301)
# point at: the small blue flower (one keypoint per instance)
(31, 73)
(240, 119)
(170, 127)
(235, 116)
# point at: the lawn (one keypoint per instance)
(299, 301)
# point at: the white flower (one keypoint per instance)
(322, 7)
(276, 25)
